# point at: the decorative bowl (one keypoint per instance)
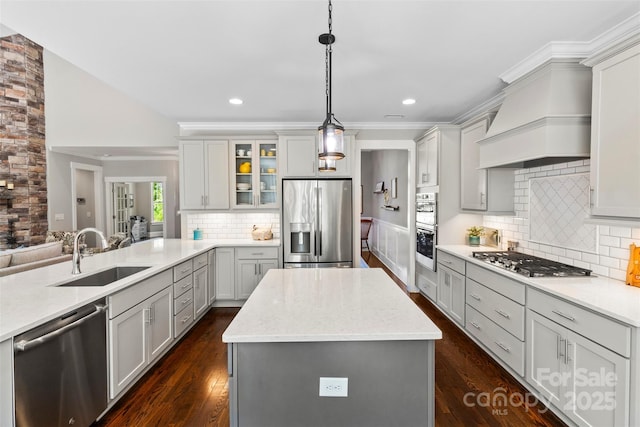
(243, 186)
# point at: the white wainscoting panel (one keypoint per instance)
(391, 243)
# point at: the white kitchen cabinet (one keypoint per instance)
(204, 175)
(483, 190)
(137, 337)
(211, 269)
(251, 266)
(427, 152)
(225, 274)
(450, 295)
(299, 157)
(257, 187)
(587, 382)
(615, 135)
(249, 273)
(495, 315)
(200, 285)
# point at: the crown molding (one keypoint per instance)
(624, 32)
(293, 126)
(482, 109)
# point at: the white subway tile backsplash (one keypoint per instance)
(620, 232)
(610, 241)
(236, 225)
(608, 257)
(619, 253)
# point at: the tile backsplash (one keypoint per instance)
(540, 210)
(236, 225)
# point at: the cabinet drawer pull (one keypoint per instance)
(475, 325)
(186, 285)
(446, 261)
(186, 318)
(186, 301)
(566, 316)
(503, 314)
(257, 253)
(184, 270)
(502, 346)
(475, 297)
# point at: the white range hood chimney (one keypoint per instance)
(545, 118)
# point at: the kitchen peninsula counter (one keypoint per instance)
(302, 324)
(30, 298)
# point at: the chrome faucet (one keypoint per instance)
(76, 251)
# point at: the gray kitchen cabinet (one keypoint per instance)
(485, 190)
(137, 337)
(200, 285)
(427, 151)
(495, 315)
(204, 175)
(249, 273)
(225, 274)
(299, 157)
(450, 295)
(586, 381)
(211, 269)
(615, 135)
(251, 266)
(256, 188)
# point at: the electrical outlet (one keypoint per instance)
(59, 217)
(334, 387)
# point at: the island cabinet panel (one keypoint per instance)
(277, 384)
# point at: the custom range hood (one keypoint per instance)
(545, 118)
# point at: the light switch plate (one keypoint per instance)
(59, 217)
(334, 387)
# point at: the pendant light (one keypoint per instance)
(331, 133)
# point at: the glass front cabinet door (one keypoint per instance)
(256, 174)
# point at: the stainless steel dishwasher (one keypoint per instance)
(61, 369)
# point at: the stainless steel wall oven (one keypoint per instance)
(426, 229)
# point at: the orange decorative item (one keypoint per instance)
(633, 270)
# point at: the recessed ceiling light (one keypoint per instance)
(235, 101)
(409, 101)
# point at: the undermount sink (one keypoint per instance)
(104, 277)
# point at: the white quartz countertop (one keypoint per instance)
(333, 304)
(30, 298)
(606, 296)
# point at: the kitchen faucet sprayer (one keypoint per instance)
(76, 252)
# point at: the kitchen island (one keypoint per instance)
(355, 327)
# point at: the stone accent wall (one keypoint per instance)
(22, 141)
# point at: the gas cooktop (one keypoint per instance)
(529, 265)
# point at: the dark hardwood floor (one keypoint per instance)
(189, 386)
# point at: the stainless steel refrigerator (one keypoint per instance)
(317, 223)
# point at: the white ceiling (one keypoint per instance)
(185, 59)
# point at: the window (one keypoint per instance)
(157, 202)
